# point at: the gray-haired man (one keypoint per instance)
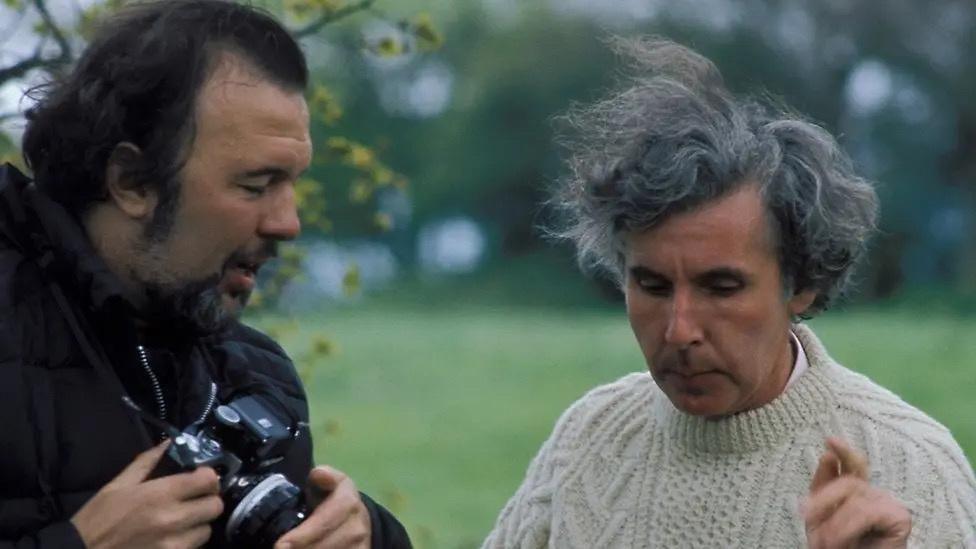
(725, 221)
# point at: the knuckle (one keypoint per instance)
(216, 506)
(159, 520)
(208, 475)
(342, 495)
(206, 532)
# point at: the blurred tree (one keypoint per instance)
(890, 79)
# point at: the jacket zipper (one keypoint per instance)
(210, 403)
(157, 389)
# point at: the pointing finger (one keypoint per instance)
(852, 462)
(827, 470)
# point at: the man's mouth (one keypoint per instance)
(241, 276)
(249, 268)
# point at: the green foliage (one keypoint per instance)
(9, 152)
(304, 10)
(94, 14)
(351, 281)
(428, 36)
(324, 105)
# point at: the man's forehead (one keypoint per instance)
(741, 211)
(239, 101)
(231, 69)
(235, 81)
(734, 226)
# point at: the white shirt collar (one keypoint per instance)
(801, 364)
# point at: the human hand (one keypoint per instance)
(167, 512)
(340, 520)
(844, 510)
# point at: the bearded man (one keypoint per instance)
(727, 221)
(163, 161)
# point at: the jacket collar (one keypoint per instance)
(59, 241)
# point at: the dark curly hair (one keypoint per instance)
(674, 138)
(137, 82)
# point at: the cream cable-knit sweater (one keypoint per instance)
(624, 468)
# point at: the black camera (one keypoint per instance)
(240, 440)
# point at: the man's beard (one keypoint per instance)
(198, 307)
(190, 308)
(193, 309)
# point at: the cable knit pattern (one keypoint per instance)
(624, 468)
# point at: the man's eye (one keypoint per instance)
(654, 287)
(256, 190)
(725, 290)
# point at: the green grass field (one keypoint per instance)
(436, 413)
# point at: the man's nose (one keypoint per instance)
(683, 329)
(281, 221)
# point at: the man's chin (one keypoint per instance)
(194, 309)
(698, 397)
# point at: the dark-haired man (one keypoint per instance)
(163, 161)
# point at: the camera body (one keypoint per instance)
(240, 440)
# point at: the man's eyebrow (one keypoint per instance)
(644, 272)
(273, 171)
(722, 273)
(266, 171)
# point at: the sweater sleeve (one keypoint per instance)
(526, 520)
(945, 512)
(59, 535)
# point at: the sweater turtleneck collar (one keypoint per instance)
(805, 402)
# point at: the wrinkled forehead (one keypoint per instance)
(238, 96)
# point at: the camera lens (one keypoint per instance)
(266, 507)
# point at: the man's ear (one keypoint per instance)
(801, 301)
(134, 198)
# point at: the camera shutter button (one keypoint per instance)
(228, 416)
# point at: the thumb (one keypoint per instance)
(137, 471)
(322, 481)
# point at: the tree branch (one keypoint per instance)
(22, 67)
(65, 54)
(332, 16)
(38, 60)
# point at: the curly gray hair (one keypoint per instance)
(675, 138)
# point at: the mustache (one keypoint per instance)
(268, 249)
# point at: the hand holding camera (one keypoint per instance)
(339, 520)
(131, 511)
